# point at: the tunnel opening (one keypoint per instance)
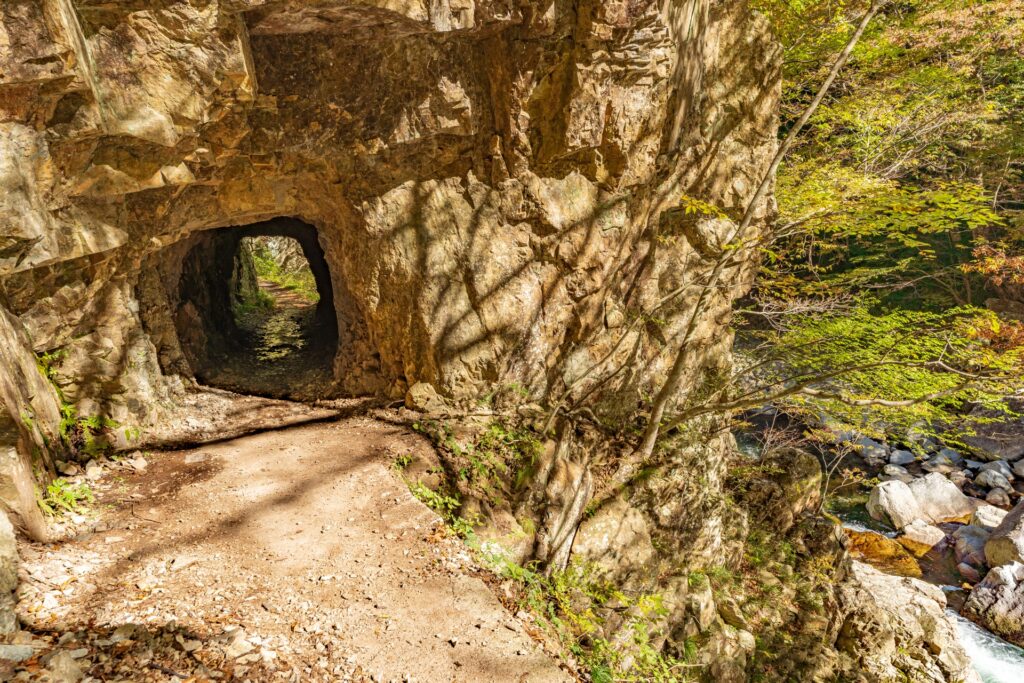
(255, 310)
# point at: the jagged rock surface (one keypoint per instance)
(486, 181)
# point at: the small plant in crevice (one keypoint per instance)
(445, 505)
(61, 496)
(86, 435)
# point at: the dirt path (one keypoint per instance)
(293, 555)
(287, 350)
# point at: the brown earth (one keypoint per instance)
(296, 554)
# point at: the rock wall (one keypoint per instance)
(491, 182)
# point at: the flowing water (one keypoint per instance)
(996, 660)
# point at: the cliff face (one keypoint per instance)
(490, 182)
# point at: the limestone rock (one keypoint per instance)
(792, 490)
(940, 500)
(919, 537)
(896, 629)
(988, 517)
(1006, 545)
(893, 502)
(992, 479)
(997, 603)
(615, 539)
(901, 457)
(8, 576)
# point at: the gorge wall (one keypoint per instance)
(492, 184)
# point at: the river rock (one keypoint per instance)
(919, 537)
(940, 500)
(893, 502)
(1018, 469)
(999, 497)
(895, 472)
(897, 630)
(883, 552)
(997, 603)
(988, 517)
(1006, 544)
(952, 454)
(969, 545)
(939, 463)
(960, 478)
(992, 479)
(1000, 466)
(901, 457)
(873, 452)
(968, 573)
(973, 465)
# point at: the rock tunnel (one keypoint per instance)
(479, 189)
(235, 335)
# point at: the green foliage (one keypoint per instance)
(85, 435)
(300, 281)
(496, 464)
(256, 303)
(62, 496)
(570, 604)
(907, 167)
(48, 363)
(929, 365)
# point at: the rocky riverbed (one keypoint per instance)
(953, 517)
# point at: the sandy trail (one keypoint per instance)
(295, 554)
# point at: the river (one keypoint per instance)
(996, 660)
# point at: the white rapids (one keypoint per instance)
(996, 660)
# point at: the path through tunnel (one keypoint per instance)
(256, 312)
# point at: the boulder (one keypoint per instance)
(919, 537)
(998, 497)
(940, 500)
(901, 457)
(1000, 466)
(882, 552)
(1018, 469)
(952, 454)
(988, 517)
(992, 479)
(893, 502)
(969, 545)
(897, 630)
(1006, 544)
(960, 478)
(997, 603)
(424, 398)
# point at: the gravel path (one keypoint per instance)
(295, 555)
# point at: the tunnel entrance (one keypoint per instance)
(256, 310)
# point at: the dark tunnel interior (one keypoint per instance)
(256, 310)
